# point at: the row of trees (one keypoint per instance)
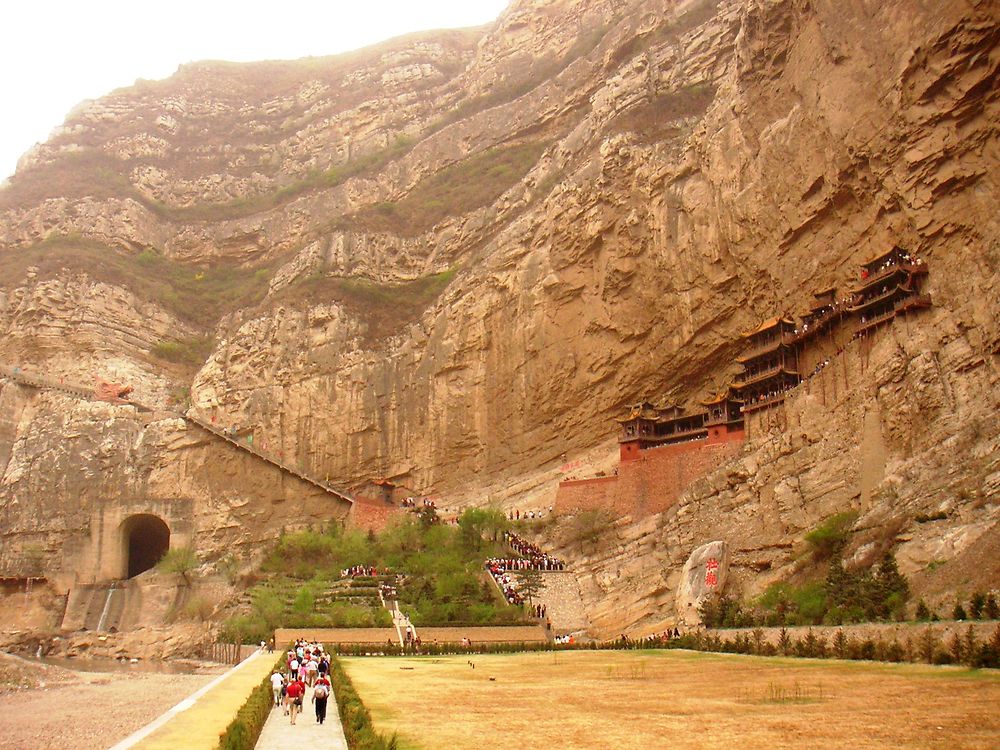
(863, 595)
(981, 607)
(929, 646)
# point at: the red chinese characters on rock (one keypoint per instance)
(712, 572)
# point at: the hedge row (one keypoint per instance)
(243, 731)
(354, 716)
(926, 647)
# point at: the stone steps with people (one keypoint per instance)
(560, 593)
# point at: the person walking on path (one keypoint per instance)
(321, 693)
(311, 671)
(296, 690)
(277, 682)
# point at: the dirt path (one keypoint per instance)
(89, 711)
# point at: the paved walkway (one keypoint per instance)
(279, 734)
(196, 722)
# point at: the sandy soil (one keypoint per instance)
(657, 700)
(85, 710)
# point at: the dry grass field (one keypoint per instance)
(674, 699)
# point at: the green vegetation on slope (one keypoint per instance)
(440, 568)
(845, 596)
(452, 191)
(385, 307)
(93, 173)
(199, 295)
(318, 179)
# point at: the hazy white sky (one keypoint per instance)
(55, 54)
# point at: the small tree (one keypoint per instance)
(928, 644)
(956, 648)
(840, 644)
(530, 583)
(970, 647)
(991, 609)
(923, 612)
(428, 516)
(784, 642)
(305, 601)
(959, 612)
(471, 524)
(977, 604)
(830, 536)
(182, 560)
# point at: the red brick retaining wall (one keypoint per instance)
(649, 484)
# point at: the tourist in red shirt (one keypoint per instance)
(296, 690)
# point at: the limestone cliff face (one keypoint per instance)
(900, 430)
(451, 259)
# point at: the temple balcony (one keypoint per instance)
(885, 296)
(682, 436)
(876, 321)
(764, 403)
(745, 379)
(786, 339)
(880, 276)
(913, 302)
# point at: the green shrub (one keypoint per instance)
(457, 189)
(190, 351)
(923, 613)
(831, 535)
(243, 731)
(182, 560)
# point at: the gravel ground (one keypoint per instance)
(85, 711)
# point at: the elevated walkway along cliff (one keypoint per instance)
(19, 376)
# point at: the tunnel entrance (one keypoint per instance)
(147, 540)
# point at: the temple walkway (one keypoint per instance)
(280, 734)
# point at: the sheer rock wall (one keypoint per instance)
(695, 167)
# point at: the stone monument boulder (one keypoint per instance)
(704, 573)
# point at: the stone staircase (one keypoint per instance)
(564, 604)
(16, 375)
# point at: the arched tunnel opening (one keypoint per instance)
(147, 539)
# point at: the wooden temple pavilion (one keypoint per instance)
(647, 426)
(638, 430)
(890, 284)
(724, 416)
(770, 365)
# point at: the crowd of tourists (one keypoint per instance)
(649, 641)
(507, 583)
(306, 674)
(530, 515)
(533, 558)
(411, 502)
(370, 571)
